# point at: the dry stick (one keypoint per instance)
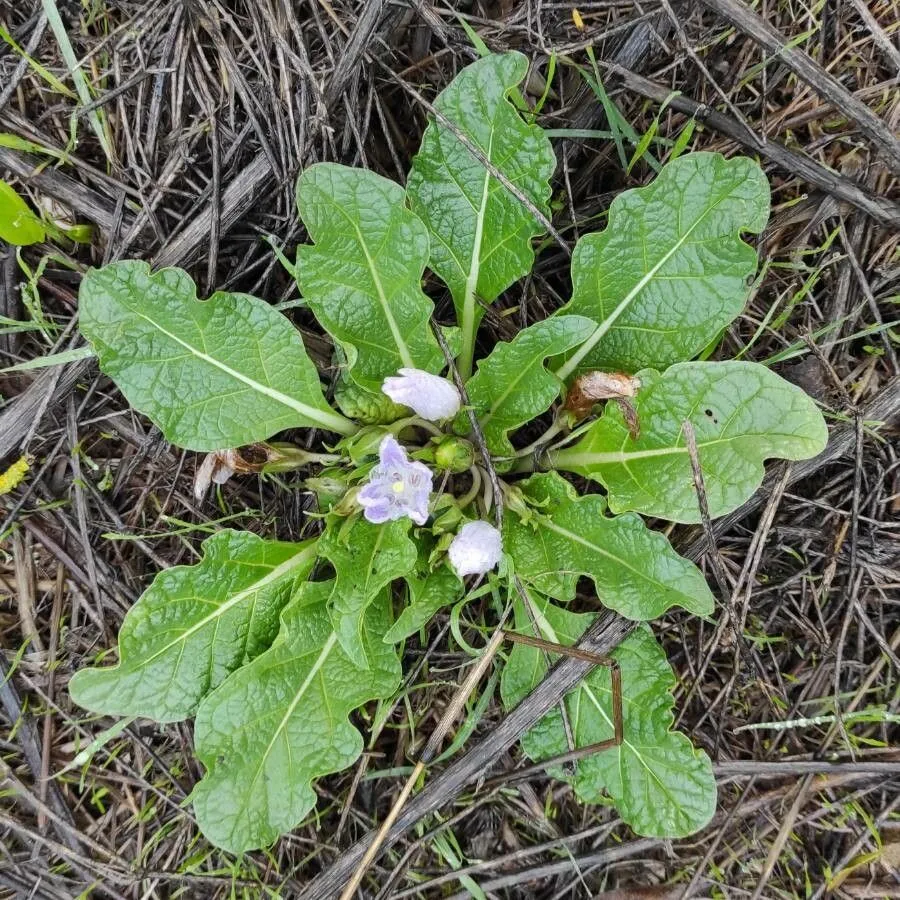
(784, 832)
(878, 33)
(22, 67)
(780, 769)
(712, 551)
(582, 752)
(823, 82)
(884, 211)
(428, 754)
(690, 438)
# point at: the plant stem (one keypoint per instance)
(333, 421)
(473, 492)
(466, 358)
(550, 433)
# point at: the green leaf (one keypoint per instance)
(18, 224)
(742, 413)
(660, 785)
(512, 387)
(280, 722)
(480, 232)
(196, 624)
(212, 375)
(366, 558)
(670, 270)
(427, 593)
(362, 279)
(635, 570)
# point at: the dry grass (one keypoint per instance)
(211, 109)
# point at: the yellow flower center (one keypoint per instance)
(397, 487)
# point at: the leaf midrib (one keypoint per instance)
(276, 574)
(538, 356)
(570, 535)
(402, 349)
(572, 363)
(321, 659)
(328, 420)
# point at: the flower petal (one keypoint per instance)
(476, 549)
(390, 453)
(429, 396)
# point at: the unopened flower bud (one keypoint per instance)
(476, 549)
(429, 396)
(454, 454)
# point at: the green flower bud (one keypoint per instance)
(454, 454)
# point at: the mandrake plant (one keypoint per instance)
(271, 646)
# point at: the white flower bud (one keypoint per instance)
(429, 396)
(476, 549)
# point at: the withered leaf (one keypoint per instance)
(592, 387)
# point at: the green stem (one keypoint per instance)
(473, 492)
(550, 433)
(466, 358)
(523, 464)
(333, 421)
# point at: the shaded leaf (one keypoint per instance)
(512, 386)
(215, 374)
(635, 570)
(362, 279)
(480, 232)
(427, 593)
(670, 270)
(366, 558)
(196, 624)
(742, 414)
(660, 784)
(280, 722)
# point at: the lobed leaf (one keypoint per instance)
(742, 414)
(669, 271)
(366, 558)
(280, 722)
(212, 375)
(512, 386)
(196, 624)
(660, 784)
(635, 570)
(363, 276)
(427, 592)
(480, 232)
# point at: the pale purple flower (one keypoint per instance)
(429, 396)
(396, 486)
(476, 549)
